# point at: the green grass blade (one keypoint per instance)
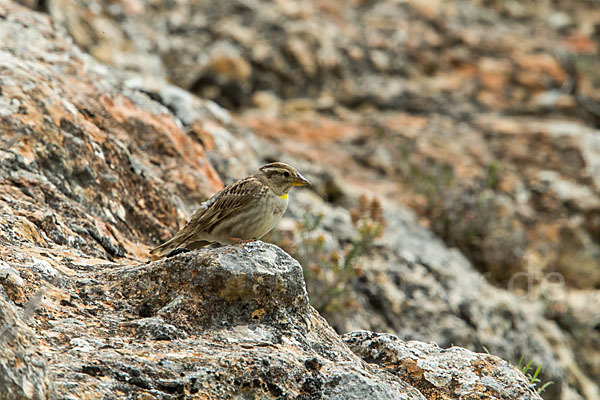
(520, 366)
(536, 373)
(544, 386)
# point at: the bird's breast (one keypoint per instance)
(275, 206)
(280, 205)
(262, 215)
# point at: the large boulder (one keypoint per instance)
(221, 323)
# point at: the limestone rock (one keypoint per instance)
(24, 371)
(228, 287)
(440, 106)
(233, 321)
(470, 375)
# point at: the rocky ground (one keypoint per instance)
(455, 154)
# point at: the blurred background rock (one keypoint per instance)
(454, 148)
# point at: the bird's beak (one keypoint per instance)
(299, 180)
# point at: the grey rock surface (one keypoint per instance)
(97, 165)
(231, 286)
(419, 289)
(24, 371)
(466, 375)
(217, 323)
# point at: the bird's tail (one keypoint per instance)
(164, 249)
(173, 244)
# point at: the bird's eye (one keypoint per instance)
(286, 174)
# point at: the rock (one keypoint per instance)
(85, 143)
(444, 87)
(397, 285)
(570, 192)
(471, 375)
(12, 283)
(442, 107)
(156, 329)
(236, 285)
(24, 372)
(243, 300)
(209, 123)
(245, 327)
(361, 55)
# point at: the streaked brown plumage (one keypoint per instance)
(245, 210)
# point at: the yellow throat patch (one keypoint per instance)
(284, 196)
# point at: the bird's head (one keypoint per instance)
(281, 177)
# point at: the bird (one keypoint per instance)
(241, 212)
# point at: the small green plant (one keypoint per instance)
(525, 368)
(587, 66)
(330, 270)
(368, 221)
(533, 379)
(492, 175)
(431, 180)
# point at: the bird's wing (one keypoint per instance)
(229, 200)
